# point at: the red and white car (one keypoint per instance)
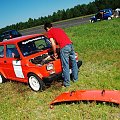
(29, 59)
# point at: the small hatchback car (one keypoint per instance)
(105, 14)
(9, 34)
(30, 59)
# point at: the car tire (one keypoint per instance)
(2, 78)
(109, 18)
(35, 83)
(92, 21)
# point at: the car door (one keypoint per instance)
(12, 68)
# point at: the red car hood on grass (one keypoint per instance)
(112, 96)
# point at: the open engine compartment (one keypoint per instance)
(45, 58)
(42, 59)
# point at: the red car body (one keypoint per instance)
(34, 67)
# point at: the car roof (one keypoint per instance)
(18, 39)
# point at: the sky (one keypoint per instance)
(15, 11)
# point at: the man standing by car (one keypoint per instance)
(57, 35)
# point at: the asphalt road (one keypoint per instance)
(62, 24)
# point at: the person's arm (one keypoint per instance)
(53, 47)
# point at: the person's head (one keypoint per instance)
(47, 26)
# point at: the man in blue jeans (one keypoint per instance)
(57, 35)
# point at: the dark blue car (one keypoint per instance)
(9, 34)
(105, 14)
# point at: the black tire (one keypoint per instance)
(35, 83)
(2, 78)
(92, 21)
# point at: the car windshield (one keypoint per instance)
(34, 45)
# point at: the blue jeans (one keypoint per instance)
(67, 55)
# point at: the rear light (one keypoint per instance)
(10, 36)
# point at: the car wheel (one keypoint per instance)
(2, 79)
(35, 83)
(92, 21)
(109, 18)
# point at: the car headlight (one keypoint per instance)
(49, 66)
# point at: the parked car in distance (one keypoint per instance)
(30, 59)
(9, 34)
(105, 14)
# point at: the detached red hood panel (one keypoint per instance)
(112, 96)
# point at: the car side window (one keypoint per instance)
(11, 51)
(1, 51)
(14, 32)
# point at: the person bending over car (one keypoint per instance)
(57, 35)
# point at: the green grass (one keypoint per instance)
(98, 46)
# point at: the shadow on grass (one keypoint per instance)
(91, 103)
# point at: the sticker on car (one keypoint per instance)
(18, 69)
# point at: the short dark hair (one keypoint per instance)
(47, 25)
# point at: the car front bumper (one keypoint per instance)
(52, 77)
(58, 75)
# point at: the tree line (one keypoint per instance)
(76, 11)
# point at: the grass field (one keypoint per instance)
(98, 46)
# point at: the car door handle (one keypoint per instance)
(5, 61)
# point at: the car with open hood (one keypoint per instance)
(30, 59)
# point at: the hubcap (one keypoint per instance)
(109, 18)
(35, 85)
(1, 80)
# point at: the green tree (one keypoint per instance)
(78, 10)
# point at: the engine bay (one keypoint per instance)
(45, 58)
(42, 59)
